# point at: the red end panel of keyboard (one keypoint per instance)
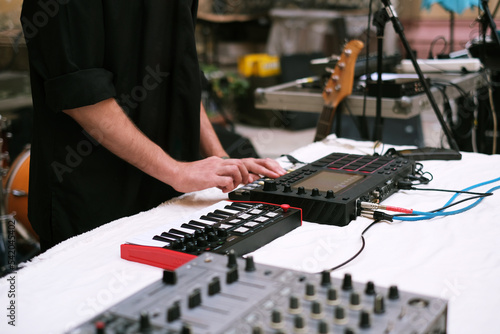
(154, 256)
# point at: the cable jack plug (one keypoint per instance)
(377, 215)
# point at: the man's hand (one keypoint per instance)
(225, 174)
(262, 167)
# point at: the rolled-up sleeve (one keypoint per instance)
(68, 51)
(77, 89)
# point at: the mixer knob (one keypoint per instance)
(393, 292)
(276, 319)
(100, 327)
(331, 297)
(169, 277)
(287, 188)
(316, 310)
(323, 328)
(355, 301)
(144, 323)
(186, 329)
(315, 192)
(174, 312)
(194, 299)
(214, 286)
(330, 194)
(310, 291)
(326, 279)
(299, 324)
(231, 259)
(232, 275)
(249, 264)
(340, 316)
(347, 282)
(301, 191)
(370, 288)
(257, 330)
(378, 305)
(364, 320)
(270, 185)
(294, 305)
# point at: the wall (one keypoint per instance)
(423, 26)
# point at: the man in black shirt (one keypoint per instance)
(119, 127)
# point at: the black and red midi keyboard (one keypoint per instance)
(239, 226)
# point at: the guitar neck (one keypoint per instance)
(324, 127)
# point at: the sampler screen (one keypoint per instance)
(327, 180)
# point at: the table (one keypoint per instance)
(456, 257)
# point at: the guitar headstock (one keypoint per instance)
(340, 83)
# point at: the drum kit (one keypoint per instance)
(14, 206)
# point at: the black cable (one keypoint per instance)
(453, 191)
(433, 43)
(359, 251)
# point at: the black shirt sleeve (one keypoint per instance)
(65, 40)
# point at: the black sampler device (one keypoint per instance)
(330, 190)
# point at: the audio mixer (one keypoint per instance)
(329, 190)
(221, 294)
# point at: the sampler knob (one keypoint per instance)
(301, 191)
(315, 192)
(270, 185)
(330, 194)
(287, 188)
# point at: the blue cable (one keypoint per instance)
(430, 215)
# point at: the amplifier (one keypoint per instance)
(330, 189)
(217, 294)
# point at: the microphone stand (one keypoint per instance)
(380, 19)
(400, 31)
(488, 21)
